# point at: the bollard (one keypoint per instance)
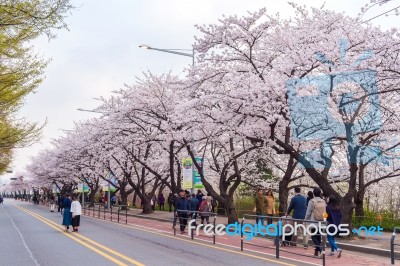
(215, 217)
(111, 213)
(277, 239)
(126, 214)
(104, 212)
(191, 230)
(118, 213)
(98, 214)
(392, 248)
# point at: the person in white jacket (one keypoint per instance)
(76, 211)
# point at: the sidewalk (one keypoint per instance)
(161, 223)
(375, 242)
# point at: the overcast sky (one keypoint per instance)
(100, 51)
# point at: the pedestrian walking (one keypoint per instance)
(204, 210)
(199, 195)
(170, 201)
(76, 211)
(67, 213)
(182, 210)
(59, 203)
(270, 206)
(52, 202)
(194, 207)
(334, 217)
(260, 205)
(113, 200)
(315, 212)
(161, 201)
(153, 202)
(310, 195)
(214, 204)
(298, 204)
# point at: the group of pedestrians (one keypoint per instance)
(72, 211)
(264, 206)
(313, 209)
(190, 206)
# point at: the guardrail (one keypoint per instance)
(392, 244)
(97, 208)
(194, 215)
(278, 241)
(125, 207)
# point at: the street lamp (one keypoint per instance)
(176, 51)
(171, 51)
(91, 111)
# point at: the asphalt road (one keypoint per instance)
(32, 235)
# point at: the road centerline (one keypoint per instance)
(83, 241)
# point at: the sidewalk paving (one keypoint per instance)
(378, 242)
(158, 224)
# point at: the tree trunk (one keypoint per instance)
(225, 207)
(283, 195)
(359, 195)
(124, 198)
(359, 202)
(91, 197)
(147, 205)
(134, 199)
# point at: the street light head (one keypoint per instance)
(144, 46)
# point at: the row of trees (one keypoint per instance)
(21, 70)
(239, 110)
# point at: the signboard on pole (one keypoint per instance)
(107, 186)
(83, 187)
(196, 175)
(187, 173)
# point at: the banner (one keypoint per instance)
(187, 173)
(196, 175)
(83, 187)
(107, 186)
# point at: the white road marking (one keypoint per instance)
(23, 240)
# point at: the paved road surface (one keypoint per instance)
(31, 235)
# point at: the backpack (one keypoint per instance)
(204, 207)
(319, 209)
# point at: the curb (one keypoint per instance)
(344, 246)
(362, 249)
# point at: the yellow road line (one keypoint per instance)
(76, 236)
(202, 244)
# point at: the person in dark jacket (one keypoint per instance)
(194, 204)
(334, 217)
(59, 202)
(170, 201)
(161, 201)
(310, 196)
(298, 204)
(182, 210)
(67, 214)
(199, 196)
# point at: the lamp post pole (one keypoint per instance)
(177, 52)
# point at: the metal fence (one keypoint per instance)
(185, 217)
(277, 236)
(393, 244)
